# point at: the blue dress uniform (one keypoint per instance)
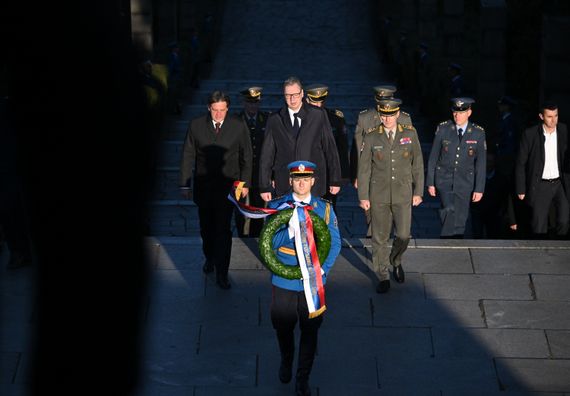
(288, 302)
(456, 168)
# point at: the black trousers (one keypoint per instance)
(286, 307)
(216, 232)
(550, 193)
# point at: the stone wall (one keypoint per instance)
(506, 47)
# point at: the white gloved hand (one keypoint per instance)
(291, 230)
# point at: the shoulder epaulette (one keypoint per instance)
(408, 126)
(369, 130)
(445, 122)
(339, 113)
(478, 127)
(277, 198)
(404, 113)
(365, 111)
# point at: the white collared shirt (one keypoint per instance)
(307, 199)
(215, 122)
(291, 112)
(463, 128)
(550, 170)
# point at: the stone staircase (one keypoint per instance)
(172, 216)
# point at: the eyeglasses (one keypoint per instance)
(292, 96)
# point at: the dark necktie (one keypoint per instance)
(460, 133)
(391, 137)
(296, 123)
(218, 127)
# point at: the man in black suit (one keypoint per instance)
(539, 172)
(218, 149)
(298, 132)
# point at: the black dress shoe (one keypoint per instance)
(285, 373)
(302, 388)
(208, 268)
(224, 284)
(383, 286)
(399, 274)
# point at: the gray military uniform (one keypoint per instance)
(457, 168)
(389, 175)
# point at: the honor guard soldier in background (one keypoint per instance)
(317, 95)
(369, 120)
(391, 180)
(457, 167)
(255, 120)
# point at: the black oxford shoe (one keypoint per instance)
(302, 388)
(399, 274)
(208, 268)
(285, 373)
(383, 286)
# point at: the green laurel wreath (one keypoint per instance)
(268, 257)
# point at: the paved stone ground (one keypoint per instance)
(475, 317)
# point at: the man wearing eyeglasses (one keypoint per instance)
(298, 131)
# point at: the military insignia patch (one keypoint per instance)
(339, 113)
(471, 152)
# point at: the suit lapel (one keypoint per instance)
(541, 140)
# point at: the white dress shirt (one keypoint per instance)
(550, 170)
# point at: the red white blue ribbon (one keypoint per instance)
(308, 260)
(305, 246)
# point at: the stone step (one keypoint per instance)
(350, 111)
(180, 218)
(336, 87)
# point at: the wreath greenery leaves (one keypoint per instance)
(268, 257)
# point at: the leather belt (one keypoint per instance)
(550, 180)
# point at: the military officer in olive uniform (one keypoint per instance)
(255, 120)
(317, 95)
(368, 120)
(391, 180)
(457, 167)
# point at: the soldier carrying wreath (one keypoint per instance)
(299, 244)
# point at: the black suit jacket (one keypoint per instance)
(530, 159)
(315, 142)
(215, 161)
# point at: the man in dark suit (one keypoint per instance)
(317, 95)
(256, 121)
(298, 131)
(539, 171)
(217, 152)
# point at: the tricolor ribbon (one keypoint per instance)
(308, 259)
(305, 246)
